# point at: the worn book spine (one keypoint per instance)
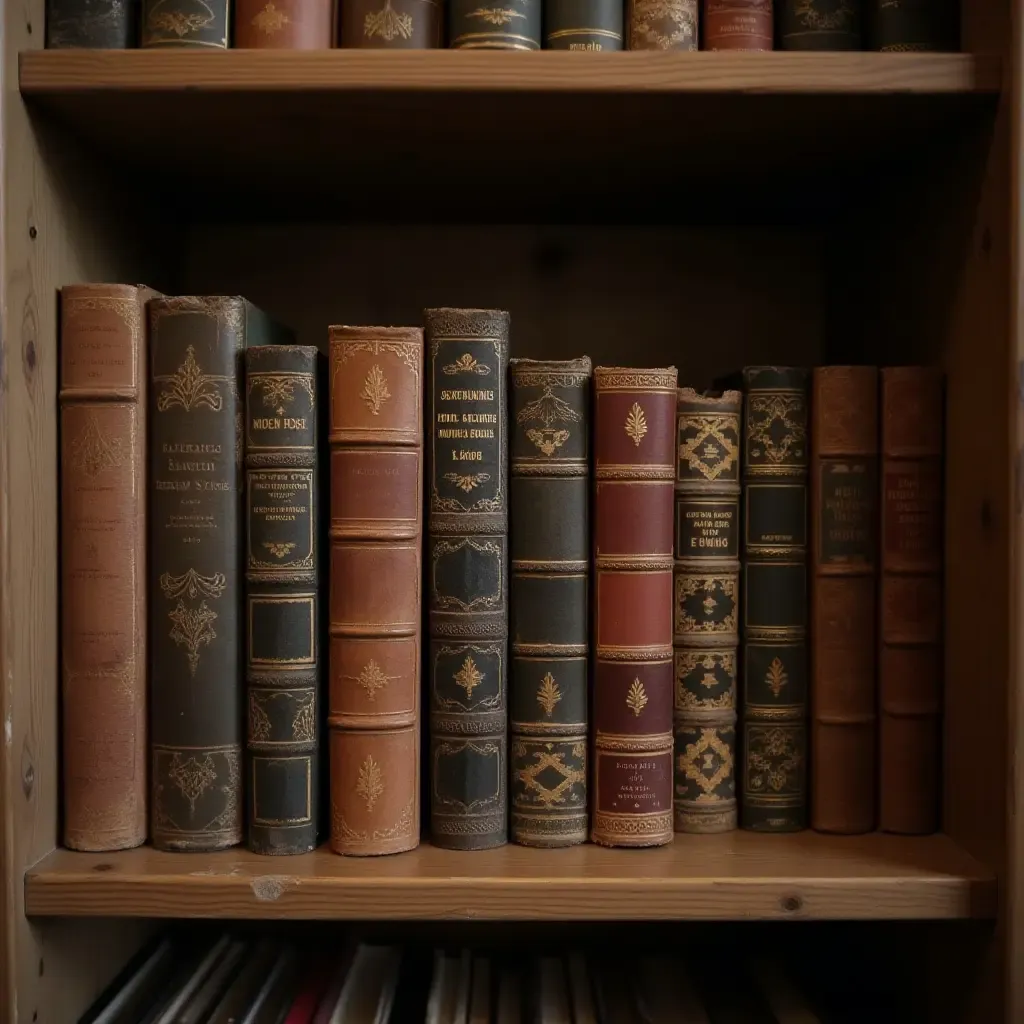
(185, 24)
(662, 25)
(103, 564)
(634, 470)
(844, 559)
(583, 25)
(738, 25)
(549, 544)
(376, 438)
(196, 629)
(284, 24)
(391, 24)
(467, 577)
(706, 609)
(819, 24)
(774, 620)
(910, 609)
(91, 24)
(914, 26)
(282, 598)
(514, 25)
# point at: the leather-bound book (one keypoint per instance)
(91, 24)
(909, 26)
(376, 436)
(910, 609)
(467, 576)
(282, 598)
(820, 24)
(391, 24)
(185, 24)
(284, 24)
(103, 564)
(774, 599)
(706, 609)
(511, 25)
(634, 470)
(738, 25)
(549, 544)
(844, 558)
(584, 25)
(663, 24)
(196, 628)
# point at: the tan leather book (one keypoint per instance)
(284, 24)
(376, 479)
(844, 564)
(910, 612)
(103, 564)
(662, 24)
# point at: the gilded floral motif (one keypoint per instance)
(467, 482)
(93, 452)
(636, 424)
(375, 390)
(388, 24)
(548, 694)
(636, 699)
(192, 776)
(776, 677)
(190, 388)
(370, 784)
(776, 427)
(708, 762)
(548, 410)
(469, 677)
(712, 450)
(466, 363)
(271, 20)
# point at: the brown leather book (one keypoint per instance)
(103, 564)
(910, 609)
(284, 24)
(391, 24)
(376, 437)
(662, 24)
(512, 25)
(738, 25)
(819, 24)
(844, 553)
(634, 469)
(185, 24)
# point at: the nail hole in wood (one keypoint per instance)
(104, 867)
(30, 355)
(32, 231)
(28, 29)
(791, 904)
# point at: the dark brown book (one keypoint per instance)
(910, 612)
(738, 25)
(103, 564)
(583, 25)
(284, 24)
(914, 26)
(662, 24)
(185, 24)
(844, 566)
(196, 628)
(91, 24)
(512, 25)
(819, 24)
(376, 437)
(391, 24)
(634, 470)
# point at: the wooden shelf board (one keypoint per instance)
(734, 876)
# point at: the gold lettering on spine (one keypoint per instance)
(636, 424)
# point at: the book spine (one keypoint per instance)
(584, 25)
(774, 622)
(738, 25)
(103, 565)
(663, 25)
(914, 26)
(91, 24)
(706, 609)
(282, 598)
(634, 470)
(284, 24)
(391, 24)
(844, 558)
(514, 25)
(376, 437)
(819, 24)
(467, 577)
(911, 600)
(195, 634)
(549, 548)
(185, 24)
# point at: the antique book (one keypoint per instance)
(467, 576)
(391, 24)
(549, 545)
(706, 609)
(634, 470)
(662, 24)
(284, 24)
(914, 25)
(738, 25)
(819, 24)
(844, 560)
(516, 25)
(196, 630)
(584, 25)
(91, 24)
(376, 437)
(103, 564)
(282, 598)
(185, 24)
(910, 611)
(774, 599)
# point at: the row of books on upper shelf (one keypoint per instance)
(586, 25)
(614, 567)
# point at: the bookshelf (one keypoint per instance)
(831, 207)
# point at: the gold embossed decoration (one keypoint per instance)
(469, 677)
(278, 390)
(259, 720)
(548, 410)
(375, 390)
(636, 424)
(279, 549)
(370, 784)
(548, 694)
(708, 762)
(193, 777)
(271, 20)
(495, 15)
(466, 364)
(179, 23)
(711, 451)
(190, 388)
(388, 24)
(372, 679)
(664, 24)
(811, 16)
(636, 699)
(772, 758)
(304, 722)
(192, 627)
(546, 760)
(92, 451)
(468, 481)
(776, 428)
(776, 677)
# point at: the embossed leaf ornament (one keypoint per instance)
(370, 785)
(548, 694)
(469, 677)
(372, 679)
(776, 677)
(190, 388)
(271, 20)
(636, 699)
(636, 424)
(495, 15)
(375, 390)
(388, 24)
